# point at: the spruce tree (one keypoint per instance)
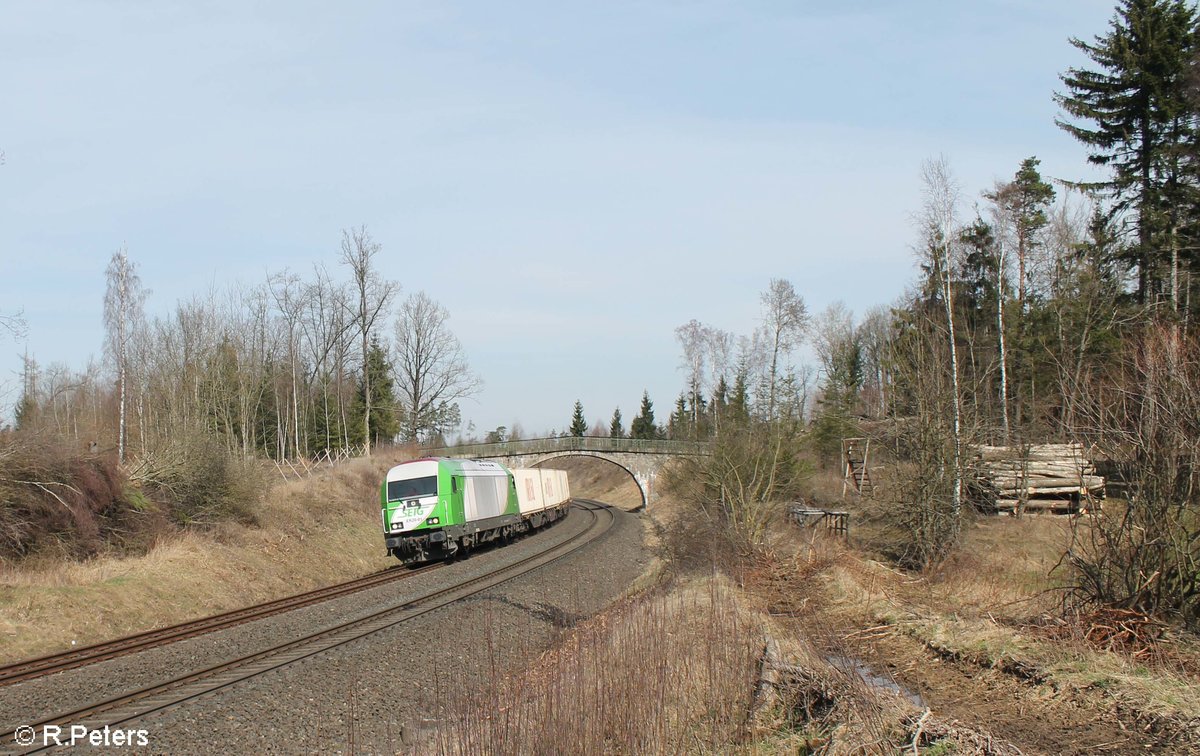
(643, 425)
(385, 409)
(718, 407)
(615, 428)
(578, 424)
(679, 425)
(739, 400)
(1135, 116)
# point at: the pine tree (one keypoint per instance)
(615, 428)
(643, 425)
(1019, 207)
(578, 424)
(1138, 121)
(1024, 202)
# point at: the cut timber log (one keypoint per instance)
(1056, 505)
(1042, 476)
(1038, 481)
(1037, 452)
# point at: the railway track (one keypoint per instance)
(124, 708)
(29, 669)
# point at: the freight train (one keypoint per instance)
(439, 507)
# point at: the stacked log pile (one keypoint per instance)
(1055, 477)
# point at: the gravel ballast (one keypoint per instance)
(373, 694)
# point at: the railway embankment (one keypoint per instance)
(371, 690)
(304, 534)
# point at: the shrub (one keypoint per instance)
(201, 482)
(54, 496)
(752, 471)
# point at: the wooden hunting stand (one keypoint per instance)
(855, 474)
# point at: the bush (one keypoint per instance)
(201, 482)
(54, 496)
(1145, 556)
(745, 482)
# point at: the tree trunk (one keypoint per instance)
(1003, 352)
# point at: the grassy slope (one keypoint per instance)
(314, 532)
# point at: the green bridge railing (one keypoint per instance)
(572, 444)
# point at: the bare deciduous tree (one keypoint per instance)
(431, 368)
(374, 294)
(14, 324)
(123, 300)
(286, 290)
(940, 194)
(876, 334)
(694, 338)
(785, 318)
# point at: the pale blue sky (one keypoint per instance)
(572, 180)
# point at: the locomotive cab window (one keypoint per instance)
(398, 490)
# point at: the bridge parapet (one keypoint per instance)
(641, 458)
(573, 443)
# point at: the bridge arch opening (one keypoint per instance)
(594, 476)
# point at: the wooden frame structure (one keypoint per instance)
(855, 474)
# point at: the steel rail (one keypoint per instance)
(41, 666)
(124, 708)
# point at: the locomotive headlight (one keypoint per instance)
(432, 521)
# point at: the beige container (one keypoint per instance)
(540, 489)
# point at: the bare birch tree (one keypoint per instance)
(286, 291)
(123, 301)
(940, 195)
(374, 294)
(785, 319)
(693, 338)
(1002, 218)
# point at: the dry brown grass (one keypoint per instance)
(989, 607)
(684, 670)
(311, 533)
(661, 673)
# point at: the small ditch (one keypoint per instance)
(873, 680)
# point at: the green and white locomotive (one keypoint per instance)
(439, 507)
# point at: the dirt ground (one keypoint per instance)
(968, 645)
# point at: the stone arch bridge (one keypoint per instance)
(641, 459)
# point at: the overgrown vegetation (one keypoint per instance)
(53, 498)
(1145, 554)
(664, 673)
(1051, 312)
(200, 483)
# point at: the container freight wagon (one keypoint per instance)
(441, 507)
